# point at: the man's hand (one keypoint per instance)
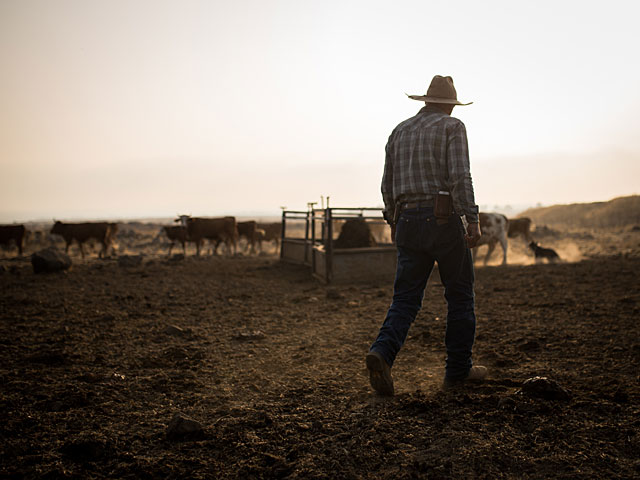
(473, 234)
(393, 232)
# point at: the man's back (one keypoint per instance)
(425, 154)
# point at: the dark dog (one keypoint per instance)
(542, 253)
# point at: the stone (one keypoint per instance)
(182, 427)
(250, 336)
(334, 294)
(507, 403)
(176, 331)
(128, 261)
(543, 387)
(50, 260)
(529, 346)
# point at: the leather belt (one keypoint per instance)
(424, 204)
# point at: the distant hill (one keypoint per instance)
(619, 212)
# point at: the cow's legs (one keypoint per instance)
(503, 242)
(184, 248)
(492, 246)
(66, 249)
(170, 247)
(81, 250)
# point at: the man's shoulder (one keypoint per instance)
(427, 120)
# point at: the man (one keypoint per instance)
(425, 155)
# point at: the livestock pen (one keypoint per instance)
(309, 238)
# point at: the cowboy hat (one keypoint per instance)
(441, 90)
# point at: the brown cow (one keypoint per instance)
(81, 232)
(17, 233)
(260, 234)
(355, 233)
(216, 230)
(248, 230)
(272, 232)
(520, 226)
(177, 233)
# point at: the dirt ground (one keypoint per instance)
(95, 363)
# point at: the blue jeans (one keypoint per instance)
(421, 242)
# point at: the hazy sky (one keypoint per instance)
(139, 108)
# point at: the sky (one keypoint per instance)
(150, 108)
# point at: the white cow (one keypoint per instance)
(494, 228)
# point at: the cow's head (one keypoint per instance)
(57, 227)
(183, 220)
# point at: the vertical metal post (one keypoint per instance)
(313, 240)
(328, 247)
(282, 234)
(306, 239)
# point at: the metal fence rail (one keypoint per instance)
(313, 245)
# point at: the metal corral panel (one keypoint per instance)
(295, 251)
(319, 263)
(357, 265)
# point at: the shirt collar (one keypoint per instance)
(431, 109)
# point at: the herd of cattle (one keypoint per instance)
(496, 229)
(189, 229)
(221, 230)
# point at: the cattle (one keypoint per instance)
(177, 233)
(103, 232)
(272, 232)
(355, 233)
(520, 227)
(248, 231)
(494, 228)
(216, 230)
(260, 235)
(15, 233)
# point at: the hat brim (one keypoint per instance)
(449, 101)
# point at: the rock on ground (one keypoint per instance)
(50, 260)
(182, 427)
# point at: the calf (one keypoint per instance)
(248, 231)
(15, 233)
(175, 234)
(272, 232)
(81, 232)
(260, 236)
(494, 227)
(543, 253)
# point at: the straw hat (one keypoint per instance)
(441, 90)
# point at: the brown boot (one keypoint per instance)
(379, 374)
(477, 374)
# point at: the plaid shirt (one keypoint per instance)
(425, 154)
